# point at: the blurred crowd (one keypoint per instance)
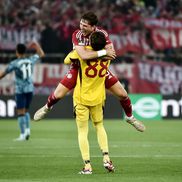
(57, 19)
(63, 15)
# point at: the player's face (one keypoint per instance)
(86, 28)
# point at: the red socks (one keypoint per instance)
(127, 107)
(51, 100)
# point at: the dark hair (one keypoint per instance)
(21, 48)
(97, 40)
(91, 18)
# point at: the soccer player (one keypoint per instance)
(89, 96)
(23, 68)
(80, 39)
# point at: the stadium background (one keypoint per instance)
(146, 35)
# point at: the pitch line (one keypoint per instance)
(94, 156)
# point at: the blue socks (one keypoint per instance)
(27, 120)
(21, 122)
(24, 123)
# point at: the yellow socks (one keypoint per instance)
(106, 157)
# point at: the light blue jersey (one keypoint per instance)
(23, 68)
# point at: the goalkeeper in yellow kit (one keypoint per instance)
(89, 96)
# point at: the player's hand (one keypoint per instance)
(110, 53)
(35, 45)
(109, 46)
(32, 45)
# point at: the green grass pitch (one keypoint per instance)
(52, 153)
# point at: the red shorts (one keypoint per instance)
(69, 80)
(110, 80)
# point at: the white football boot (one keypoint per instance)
(85, 171)
(41, 113)
(138, 125)
(20, 138)
(109, 166)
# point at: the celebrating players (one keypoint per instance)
(80, 39)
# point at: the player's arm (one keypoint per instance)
(2, 74)
(67, 59)
(37, 47)
(88, 54)
(11, 67)
(107, 47)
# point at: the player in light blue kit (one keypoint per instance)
(23, 68)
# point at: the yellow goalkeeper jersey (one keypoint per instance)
(90, 86)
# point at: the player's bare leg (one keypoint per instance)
(53, 98)
(66, 84)
(118, 90)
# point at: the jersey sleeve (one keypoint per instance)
(11, 67)
(108, 40)
(71, 57)
(74, 38)
(34, 58)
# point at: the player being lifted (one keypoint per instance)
(23, 68)
(80, 39)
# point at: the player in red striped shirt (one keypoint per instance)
(80, 39)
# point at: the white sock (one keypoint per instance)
(27, 131)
